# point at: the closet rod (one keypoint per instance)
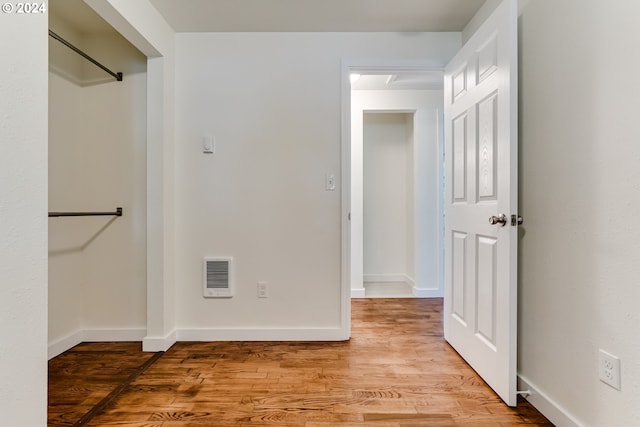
(118, 212)
(118, 76)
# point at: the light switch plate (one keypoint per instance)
(330, 182)
(208, 145)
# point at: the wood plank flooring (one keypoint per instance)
(396, 371)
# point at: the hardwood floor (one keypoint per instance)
(396, 371)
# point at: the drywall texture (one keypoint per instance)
(388, 195)
(580, 198)
(23, 220)
(97, 162)
(272, 102)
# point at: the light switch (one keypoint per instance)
(330, 182)
(208, 145)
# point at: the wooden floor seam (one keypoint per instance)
(111, 397)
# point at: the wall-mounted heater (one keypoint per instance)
(218, 277)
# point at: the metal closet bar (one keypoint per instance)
(118, 212)
(117, 76)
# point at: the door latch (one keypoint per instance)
(516, 220)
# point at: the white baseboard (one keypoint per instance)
(395, 278)
(382, 278)
(547, 406)
(60, 346)
(93, 335)
(118, 335)
(358, 293)
(312, 334)
(426, 293)
(153, 344)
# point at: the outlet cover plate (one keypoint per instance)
(609, 369)
(263, 290)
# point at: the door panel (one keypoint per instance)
(459, 253)
(481, 182)
(486, 289)
(460, 158)
(487, 173)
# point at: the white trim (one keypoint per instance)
(121, 335)
(63, 344)
(358, 293)
(302, 334)
(384, 278)
(559, 416)
(154, 344)
(440, 203)
(345, 203)
(93, 335)
(427, 292)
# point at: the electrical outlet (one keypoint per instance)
(263, 290)
(609, 369)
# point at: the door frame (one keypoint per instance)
(378, 67)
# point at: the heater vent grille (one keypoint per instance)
(218, 277)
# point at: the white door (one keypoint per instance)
(481, 183)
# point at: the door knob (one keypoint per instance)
(500, 219)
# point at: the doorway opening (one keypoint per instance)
(97, 163)
(412, 95)
(388, 204)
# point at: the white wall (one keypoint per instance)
(580, 199)
(23, 219)
(97, 161)
(388, 197)
(425, 104)
(272, 101)
(66, 269)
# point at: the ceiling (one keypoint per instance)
(317, 15)
(399, 81)
(290, 15)
(300, 16)
(78, 15)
